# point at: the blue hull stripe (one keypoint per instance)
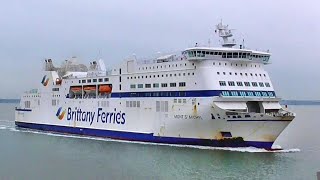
(144, 137)
(193, 93)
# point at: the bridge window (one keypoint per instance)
(140, 85)
(261, 84)
(234, 93)
(264, 94)
(267, 84)
(257, 93)
(271, 94)
(235, 55)
(229, 55)
(133, 86)
(225, 93)
(247, 84)
(224, 55)
(156, 85)
(242, 93)
(250, 93)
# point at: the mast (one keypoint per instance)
(225, 33)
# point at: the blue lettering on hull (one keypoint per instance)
(99, 117)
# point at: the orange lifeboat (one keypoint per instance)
(76, 89)
(105, 89)
(90, 89)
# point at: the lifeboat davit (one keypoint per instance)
(90, 89)
(105, 89)
(76, 90)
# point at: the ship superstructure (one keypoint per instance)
(210, 96)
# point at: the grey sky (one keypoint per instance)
(33, 30)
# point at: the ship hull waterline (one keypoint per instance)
(146, 137)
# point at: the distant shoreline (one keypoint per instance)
(9, 100)
(283, 102)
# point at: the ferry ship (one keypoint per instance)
(207, 96)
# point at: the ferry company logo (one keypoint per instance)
(45, 80)
(60, 115)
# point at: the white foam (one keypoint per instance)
(235, 149)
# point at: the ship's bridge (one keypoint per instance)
(230, 54)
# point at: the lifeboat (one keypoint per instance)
(76, 90)
(105, 89)
(90, 89)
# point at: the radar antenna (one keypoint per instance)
(225, 33)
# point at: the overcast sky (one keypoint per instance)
(35, 29)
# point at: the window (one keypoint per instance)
(94, 80)
(218, 73)
(164, 85)
(89, 80)
(79, 81)
(222, 83)
(270, 94)
(267, 84)
(54, 102)
(173, 84)
(55, 89)
(264, 94)
(224, 73)
(27, 104)
(107, 79)
(254, 84)
(132, 86)
(225, 93)
(234, 93)
(239, 83)
(100, 80)
(156, 85)
(261, 84)
(84, 81)
(250, 93)
(257, 93)
(235, 55)
(246, 83)
(229, 55)
(182, 84)
(242, 93)
(140, 85)
(148, 85)
(231, 83)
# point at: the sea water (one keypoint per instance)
(30, 154)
